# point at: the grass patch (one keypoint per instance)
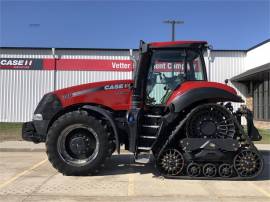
(10, 131)
(265, 133)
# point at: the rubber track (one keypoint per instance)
(236, 178)
(186, 177)
(210, 178)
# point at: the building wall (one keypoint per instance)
(21, 90)
(258, 56)
(69, 78)
(225, 65)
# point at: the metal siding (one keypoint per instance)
(261, 114)
(93, 54)
(25, 53)
(225, 65)
(266, 97)
(70, 78)
(255, 101)
(21, 91)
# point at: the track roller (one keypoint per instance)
(193, 170)
(225, 170)
(209, 170)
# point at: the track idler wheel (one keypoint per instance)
(193, 170)
(225, 170)
(209, 170)
(171, 162)
(248, 163)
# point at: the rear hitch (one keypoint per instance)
(252, 131)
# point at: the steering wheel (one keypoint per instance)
(152, 80)
(173, 82)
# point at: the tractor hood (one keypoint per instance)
(112, 94)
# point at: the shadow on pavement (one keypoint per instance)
(266, 172)
(124, 164)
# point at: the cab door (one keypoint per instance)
(167, 71)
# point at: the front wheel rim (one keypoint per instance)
(78, 145)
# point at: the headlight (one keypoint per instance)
(37, 117)
(47, 107)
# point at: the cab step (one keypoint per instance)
(152, 116)
(145, 148)
(150, 126)
(142, 158)
(148, 137)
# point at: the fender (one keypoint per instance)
(109, 117)
(209, 94)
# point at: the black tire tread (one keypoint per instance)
(52, 136)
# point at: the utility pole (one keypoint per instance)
(173, 23)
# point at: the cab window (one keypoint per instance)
(168, 69)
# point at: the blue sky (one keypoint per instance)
(121, 24)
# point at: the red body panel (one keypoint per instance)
(112, 94)
(116, 95)
(198, 84)
(173, 43)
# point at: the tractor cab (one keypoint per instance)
(169, 68)
(164, 66)
(161, 70)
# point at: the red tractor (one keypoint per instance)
(169, 111)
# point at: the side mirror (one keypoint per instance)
(143, 46)
(210, 60)
(209, 55)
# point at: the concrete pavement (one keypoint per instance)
(21, 146)
(28, 176)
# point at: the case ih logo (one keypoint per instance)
(116, 86)
(8, 63)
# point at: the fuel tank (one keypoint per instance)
(115, 94)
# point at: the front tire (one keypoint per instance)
(77, 144)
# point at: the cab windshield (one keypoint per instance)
(170, 68)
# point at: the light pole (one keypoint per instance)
(55, 57)
(173, 23)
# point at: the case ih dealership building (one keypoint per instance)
(26, 74)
